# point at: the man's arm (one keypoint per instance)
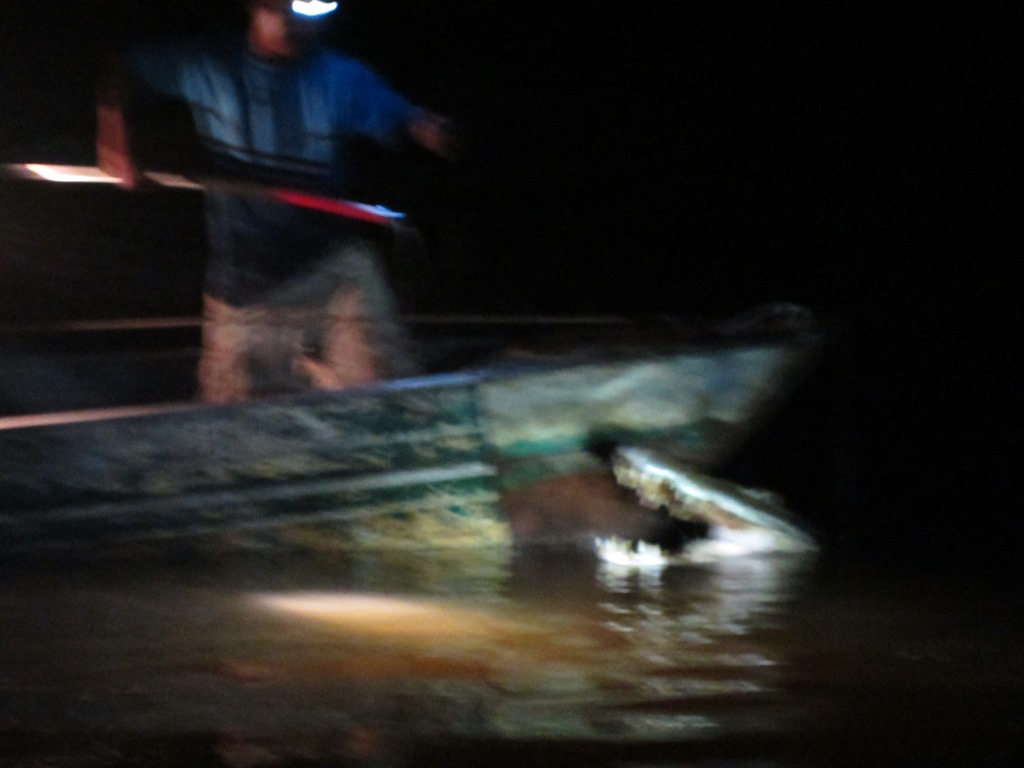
(113, 141)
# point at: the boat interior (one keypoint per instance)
(86, 365)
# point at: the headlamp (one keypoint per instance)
(313, 8)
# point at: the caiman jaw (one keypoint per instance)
(687, 495)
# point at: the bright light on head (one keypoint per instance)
(312, 8)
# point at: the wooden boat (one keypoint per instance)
(424, 462)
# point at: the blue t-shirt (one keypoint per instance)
(289, 122)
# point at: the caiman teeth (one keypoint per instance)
(652, 489)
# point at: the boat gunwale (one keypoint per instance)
(512, 367)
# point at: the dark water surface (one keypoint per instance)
(497, 658)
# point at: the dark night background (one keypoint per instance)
(693, 157)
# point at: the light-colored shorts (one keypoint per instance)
(336, 326)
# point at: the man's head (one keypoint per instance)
(286, 29)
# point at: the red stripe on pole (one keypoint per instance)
(329, 205)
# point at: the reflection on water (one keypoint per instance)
(501, 657)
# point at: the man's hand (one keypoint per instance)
(435, 134)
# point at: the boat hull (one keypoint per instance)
(427, 462)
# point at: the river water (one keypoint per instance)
(542, 656)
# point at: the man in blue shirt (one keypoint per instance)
(292, 298)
